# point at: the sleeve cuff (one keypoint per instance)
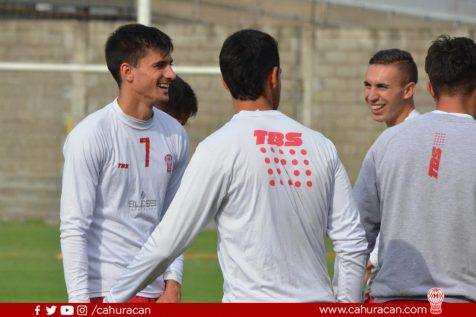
(173, 275)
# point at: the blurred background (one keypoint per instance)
(52, 74)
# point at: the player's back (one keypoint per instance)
(273, 221)
(427, 185)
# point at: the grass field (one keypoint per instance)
(31, 272)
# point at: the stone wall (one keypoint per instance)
(322, 67)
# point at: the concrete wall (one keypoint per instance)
(323, 67)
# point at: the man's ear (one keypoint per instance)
(126, 73)
(409, 90)
(275, 76)
(429, 87)
(224, 84)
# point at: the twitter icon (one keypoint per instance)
(50, 310)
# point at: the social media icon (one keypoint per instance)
(81, 310)
(50, 310)
(37, 310)
(67, 310)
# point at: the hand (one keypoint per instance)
(171, 293)
(368, 271)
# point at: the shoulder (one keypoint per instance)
(221, 138)
(92, 128)
(396, 136)
(168, 124)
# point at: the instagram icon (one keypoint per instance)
(81, 310)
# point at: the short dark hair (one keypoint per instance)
(129, 44)
(246, 59)
(403, 59)
(182, 99)
(451, 65)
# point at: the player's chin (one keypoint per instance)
(379, 117)
(162, 98)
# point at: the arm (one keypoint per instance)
(173, 274)
(348, 237)
(367, 198)
(197, 201)
(372, 263)
(78, 198)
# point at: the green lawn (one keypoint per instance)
(31, 272)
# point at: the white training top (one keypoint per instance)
(276, 189)
(120, 175)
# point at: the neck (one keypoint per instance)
(261, 103)
(458, 104)
(402, 116)
(134, 107)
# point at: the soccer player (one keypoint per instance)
(417, 187)
(182, 103)
(275, 189)
(123, 165)
(389, 88)
(390, 85)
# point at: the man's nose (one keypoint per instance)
(170, 73)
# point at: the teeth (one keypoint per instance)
(376, 107)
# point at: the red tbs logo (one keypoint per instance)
(434, 162)
(284, 166)
(436, 151)
(278, 138)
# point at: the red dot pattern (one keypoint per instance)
(299, 173)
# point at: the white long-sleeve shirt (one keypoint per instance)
(275, 189)
(120, 175)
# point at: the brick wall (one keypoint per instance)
(35, 106)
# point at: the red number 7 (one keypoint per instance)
(147, 150)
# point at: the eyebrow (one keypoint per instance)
(162, 62)
(366, 83)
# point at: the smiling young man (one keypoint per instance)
(390, 85)
(417, 187)
(389, 88)
(275, 189)
(123, 165)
